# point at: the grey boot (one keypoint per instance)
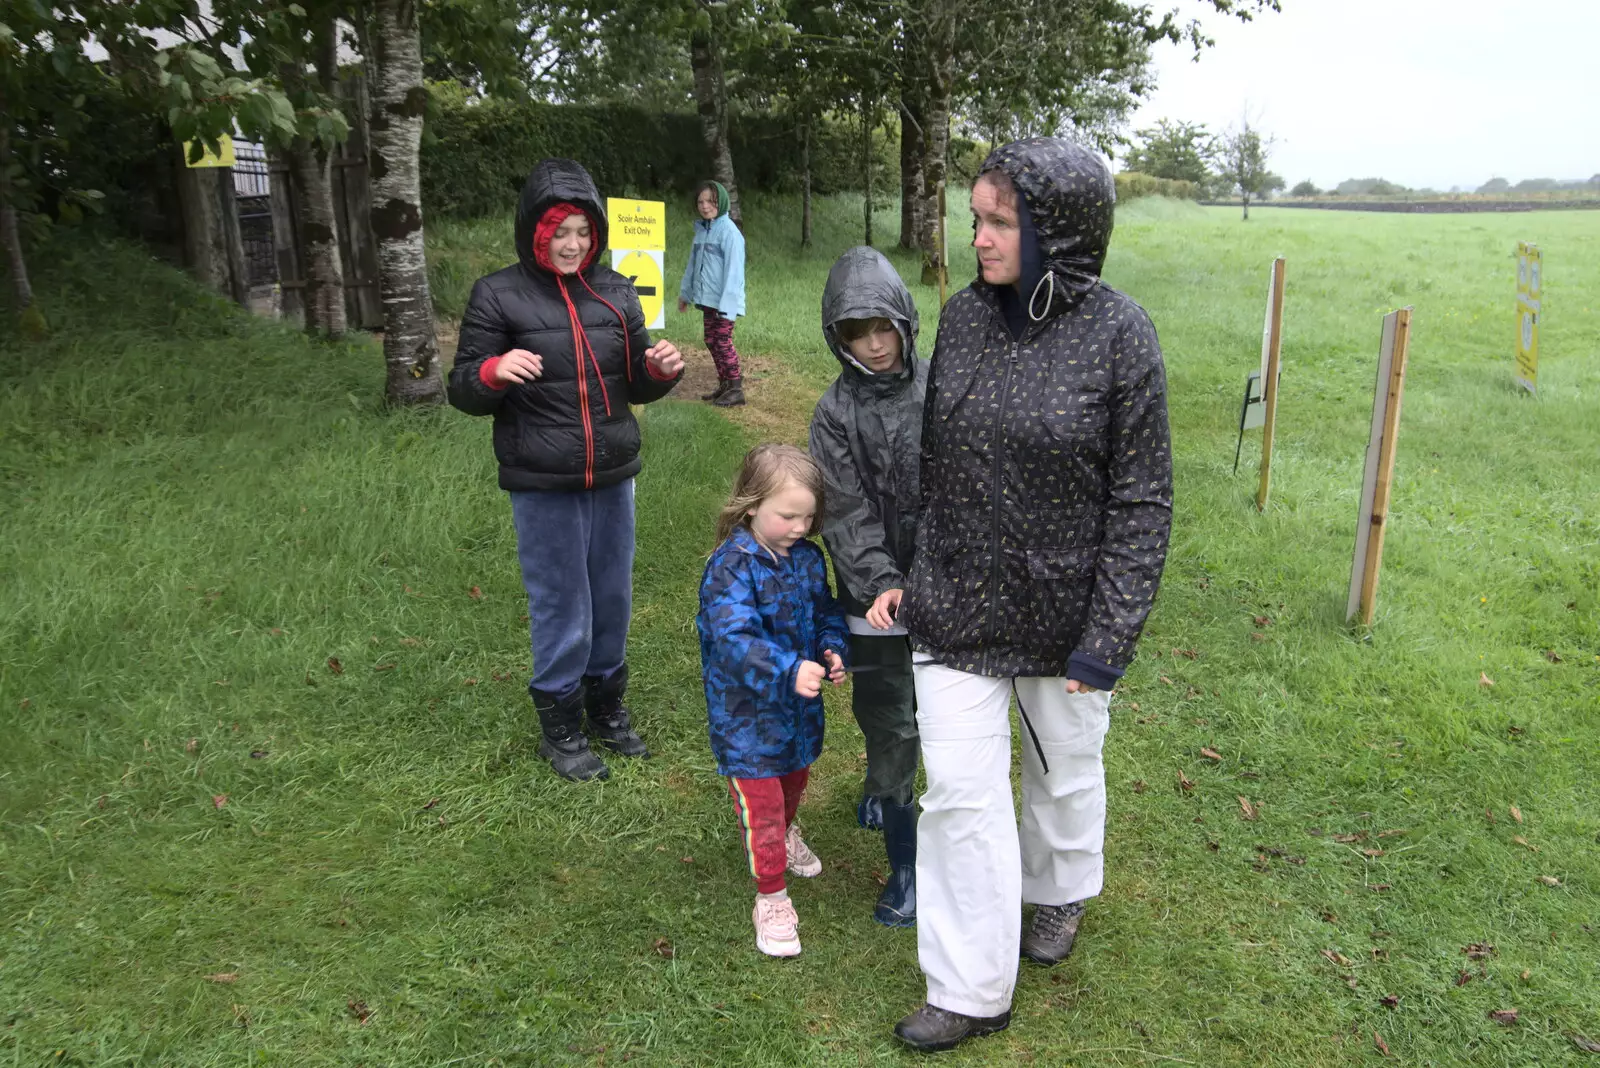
(897, 906)
(1049, 937)
(733, 396)
(609, 721)
(561, 737)
(722, 387)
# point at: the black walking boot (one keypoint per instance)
(897, 905)
(722, 387)
(1049, 937)
(609, 721)
(932, 1029)
(561, 739)
(733, 396)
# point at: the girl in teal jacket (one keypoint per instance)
(713, 281)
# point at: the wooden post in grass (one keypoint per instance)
(1379, 476)
(944, 249)
(1269, 384)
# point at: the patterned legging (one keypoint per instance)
(719, 339)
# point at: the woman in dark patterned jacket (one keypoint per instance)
(770, 633)
(1047, 502)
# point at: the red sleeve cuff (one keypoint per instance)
(650, 369)
(486, 373)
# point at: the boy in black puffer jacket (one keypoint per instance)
(555, 348)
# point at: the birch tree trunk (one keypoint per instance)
(410, 349)
(319, 236)
(939, 71)
(911, 165)
(711, 100)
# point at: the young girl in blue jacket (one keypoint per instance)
(770, 635)
(713, 281)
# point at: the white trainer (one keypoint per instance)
(777, 926)
(802, 861)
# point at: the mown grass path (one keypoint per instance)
(268, 794)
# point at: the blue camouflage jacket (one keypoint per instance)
(759, 618)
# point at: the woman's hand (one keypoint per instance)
(882, 612)
(518, 365)
(664, 359)
(683, 305)
(1074, 686)
(808, 678)
(835, 666)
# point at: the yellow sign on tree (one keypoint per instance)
(208, 158)
(638, 239)
(1530, 271)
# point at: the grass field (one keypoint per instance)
(267, 787)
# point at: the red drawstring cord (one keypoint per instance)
(580, 340)
(627, 348)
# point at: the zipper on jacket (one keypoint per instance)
(588, 426)
(999, 437)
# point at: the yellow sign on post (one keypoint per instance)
(638, 239)
(1530, 271)
(208, 158)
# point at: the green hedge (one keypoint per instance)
(478, 152)
(1131, 185)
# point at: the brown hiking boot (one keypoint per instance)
(1049, 937)
(932, 1030)
(733, 396)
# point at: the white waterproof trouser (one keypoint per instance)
(973, 870)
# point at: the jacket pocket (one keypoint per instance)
(1060, 585)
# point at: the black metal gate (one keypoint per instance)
(253, 192)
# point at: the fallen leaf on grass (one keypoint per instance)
(664, 948)
(1329, 916)
(1484, 680)
(1516, 813)
(383, 667)
(1383, 1047)
(1585, 1044)
(430, 804)
(191, 745)
(1552, 656)
(1338, 958)
(1390, 1001)
(218, 800)
(258, 754)
(1346, 839)
(1390, 834)
(1488, 814)
(1505, 1017)
(1463, 978)
(1262, 621)
(1478, 950)
(410, 643)
(1379, 954)
(1526, 976)
(1549, 880)
(1166, 680)
(1246, 809)
(475, 593)
(359, 1010)
(1257, 636)
(1515, 731)
(1379, 888)
(223, 977)
(1184, 782)
(686, 860)
(1134, 705)
(1521, 841)
(1139, 786)
(334, 665)
(1210, 754)
(241, 1016)
(1372, 852)
(500, 676)
(469, 682)
(1191, 654)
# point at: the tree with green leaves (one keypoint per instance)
(1243, 161)
(1181, 151)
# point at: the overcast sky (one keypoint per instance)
(1432, 93)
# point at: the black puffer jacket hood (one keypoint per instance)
(865, 285)
(551, 182)
(866, 436)
(1071, 200)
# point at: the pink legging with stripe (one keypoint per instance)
(766, 808)
(719, 339)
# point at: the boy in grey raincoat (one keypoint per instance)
(866, 436)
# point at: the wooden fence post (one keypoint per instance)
(1379, 477)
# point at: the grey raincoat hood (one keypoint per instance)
(866, 435)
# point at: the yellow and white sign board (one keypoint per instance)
(638, 239)
(208, 158)
(1530, 270)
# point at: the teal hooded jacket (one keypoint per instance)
(714, 275)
